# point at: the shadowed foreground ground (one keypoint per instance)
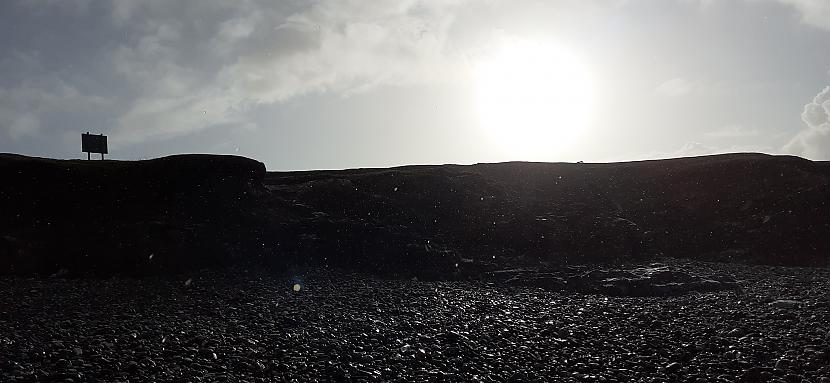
(246, 326)
(515, 253)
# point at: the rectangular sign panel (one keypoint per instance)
(94, 143)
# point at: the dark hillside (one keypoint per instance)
(192, 211)
(103, 217)
(743, 207)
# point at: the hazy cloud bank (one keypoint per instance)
(209, 62)
(175, 67)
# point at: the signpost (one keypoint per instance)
(93, 143)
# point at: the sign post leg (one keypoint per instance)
(88, 156)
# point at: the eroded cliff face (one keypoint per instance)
(194, 211)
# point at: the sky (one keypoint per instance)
(334, 84)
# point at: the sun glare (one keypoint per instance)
(532, 98)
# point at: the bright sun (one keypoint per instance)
(532, 98)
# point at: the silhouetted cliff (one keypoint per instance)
(103, 217)
(193, 211)
(738, 207)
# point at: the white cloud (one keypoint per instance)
(250, 53)
(814, 141)
(694, 149)
(346, 46)
(689, 149)
(675, 87)
(813, 12)
(170, 117)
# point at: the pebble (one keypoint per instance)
(671, 368)
(737, 333)
(732, 355)
(354, 327)
(786, 303)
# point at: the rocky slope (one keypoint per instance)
(447, 222)
(743, 207)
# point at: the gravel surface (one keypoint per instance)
(247, 326)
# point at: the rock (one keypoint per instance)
(732, 355)
(737, 333)
(147, 362)
(752, 374)
(355, 327)
(783, 364)
(786, 304)
(545, 281)
(672, 367)
(642, 282)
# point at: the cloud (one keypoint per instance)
(813, 12)
(675, 87)
(77, 7)
(24, 107)
(814, 141)
(693, 149)
(227, 59)
(172, 68)
(689, 149)
(21, 125)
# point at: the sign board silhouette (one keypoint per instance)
(94, 143)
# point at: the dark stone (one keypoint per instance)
(671, 368)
